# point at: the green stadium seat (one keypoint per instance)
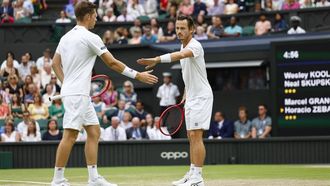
(42, 123)
(2, 122)
(144, 18)
(60, 123)
(248, 31)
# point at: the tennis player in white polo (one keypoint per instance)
(73, 62)
(198, 95)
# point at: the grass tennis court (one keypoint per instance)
(219, 175)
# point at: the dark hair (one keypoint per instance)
(10, 53)
(243, 108)
(18, 99)
(11, 123)
(49, 121)
(31, 57)
(139, 101)
(35, 128)
(263, 105)
(189, 19)
(83, 8)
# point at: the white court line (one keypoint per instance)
(31, 182)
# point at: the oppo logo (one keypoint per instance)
(174, 155)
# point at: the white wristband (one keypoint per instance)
(129, 72)
(166, 58)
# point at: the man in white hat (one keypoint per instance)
(168, 92)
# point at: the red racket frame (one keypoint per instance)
(178, 106)
(106, 78)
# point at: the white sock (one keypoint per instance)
(198, 171)
(92, 172)
(58, 174)
(191, 171)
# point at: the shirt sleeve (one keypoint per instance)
(58, 49)
(268, 121)
(96, 45)
(195, 49)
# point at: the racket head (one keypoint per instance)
(171, 120)
(99, 85)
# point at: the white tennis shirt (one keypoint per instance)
(78, 49)
(194, 72)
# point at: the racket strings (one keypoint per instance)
(98, 86)
(171, 119)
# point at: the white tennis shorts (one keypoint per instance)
(79, 112)
(198, 113)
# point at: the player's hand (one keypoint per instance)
(146, 77)
(149, 62)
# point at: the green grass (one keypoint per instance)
(164, 174)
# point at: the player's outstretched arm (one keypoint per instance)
(166, 58)
(121, 68)
(57, 67)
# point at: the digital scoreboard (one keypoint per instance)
(300, 86)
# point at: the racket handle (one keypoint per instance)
(55, 97)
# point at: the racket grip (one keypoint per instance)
(55, 97)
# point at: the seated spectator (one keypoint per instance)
(108, 38)
(32, 134)
(217, 8)
(27, 81)
(16, 107)
(56, 84)
(243, 125)
(46, 58)
(136, 132)
(38, 109)
(128, 95)
(4, 109)
(13, 87)
(150, 7)
(268, 5)
(45, 74)
(307, 4)
(148, 37)
(163, 6)
(295, 28)
(135, 9)
(69, 9)
(121, 36)
(186, 8)
(52, 133)
(110, 97)
(63, 18)
(109, 16)
(279, 24)
(49, 93)
(126, 121)
(322, 3)
(29, 57)
(137, 25)
(155, 28)
(24, 68)
(233, 30)
(23, 125)
(154, 132)
(216, 30)
(5, 95)
(169, 34)
(149, 122)
(121, 110)
(36, 76)
(231, 8)
(4, 63)
(9, 68)
(258, 7)
(172, 12)
(263, 26)
(56, 110)
(99, 106)
(291, 5)
(10, 135)
(20, 12)
(261, 125)
(277, 4)
(104, 6)
(139, 111)
(6, 10)
(199, 8)
(136, 37)
(114, 132)
(200, 34)
(27, 4)
(30, 94)
(5, 18)
(124, 17)
(118, 6)
(220, 127)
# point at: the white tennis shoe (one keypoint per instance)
(193, 181)
(63, 182)
(100, 181)
(182, 180)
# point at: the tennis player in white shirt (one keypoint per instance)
(73, 62)
(198, 95)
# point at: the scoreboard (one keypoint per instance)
(300, 86)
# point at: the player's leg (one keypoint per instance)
(62, 156)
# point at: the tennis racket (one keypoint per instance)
(171, 119)
(99, 85)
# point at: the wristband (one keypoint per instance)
(166, 58)
(129, 72)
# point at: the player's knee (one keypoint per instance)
(195, 136)
(70, 138)
(94, 134)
